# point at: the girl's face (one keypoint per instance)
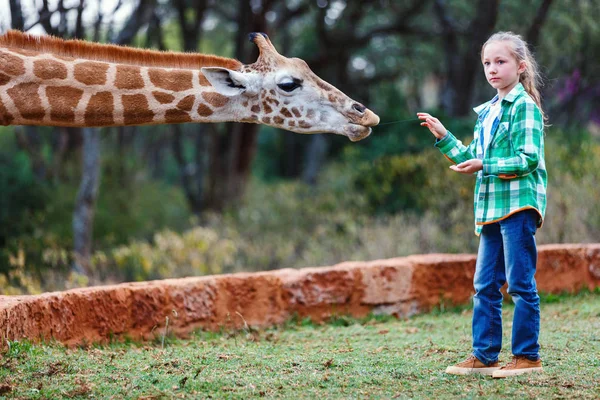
(501, 68)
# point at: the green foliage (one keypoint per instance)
(198, 251)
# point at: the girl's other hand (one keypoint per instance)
(468, 167)
(434, 125)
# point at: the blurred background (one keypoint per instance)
(89, 207)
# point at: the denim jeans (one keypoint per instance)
(507, 252)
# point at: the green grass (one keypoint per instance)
(348, 358)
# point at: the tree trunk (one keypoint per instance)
(83, 216)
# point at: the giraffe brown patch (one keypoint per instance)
(273, 101)
(304, 124)
(25, 52)
(174, 116)
(255, 108)
(49, 69)
(251, 119)
(129, 77)
(267, 108)
(4, 79)
(26, 99)
(163, 98)
(176, 80)
(99, 110)
(136, 110)
(291, 123)
(331, 98)
(204, 110)
(310, 113)
(286, 113)
(202, 79)
(324, 85)
(5, 117)
(91, 73)
(215, 99)
(266, 120)
(272, 92)
(63, 101)
(278, 120)
(186, 103)
(245, 104)
(10, 64)
(64, 58)
(296, 112)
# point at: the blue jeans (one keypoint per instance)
(507, 251)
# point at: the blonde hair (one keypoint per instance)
(531, 77)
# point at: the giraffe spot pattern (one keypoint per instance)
(273, 101)
(136, 110)
(163, 98)
(12, 65)
(26, 99)
(204, 110)
(63, 101)
(4, 79)
(49, 69)
(186, 103)
(25, 52)
(323, 85)
(331, 98)
(177, 80)
(286, 113)
(5, 117)
(278, 120)
(310, 113)
(304, 124)
(129, 77)
(296, 112)
(255, 108)
(267, 108)
(202, 79)
(91, 73)
(215, 99)
(291, 123)
(266, 120)
(99, 110)
(174, 116)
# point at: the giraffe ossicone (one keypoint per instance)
(55, 82)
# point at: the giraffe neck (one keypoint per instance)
(38, 88)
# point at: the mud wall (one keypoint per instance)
(400, 286)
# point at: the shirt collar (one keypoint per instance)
(510, 97)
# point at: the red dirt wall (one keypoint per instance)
(401, 286)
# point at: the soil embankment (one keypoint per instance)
(401, 286)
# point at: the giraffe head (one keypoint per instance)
(285, 93)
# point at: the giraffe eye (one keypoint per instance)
(290, 86)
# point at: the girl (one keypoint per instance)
(507, 154)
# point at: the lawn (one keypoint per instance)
(378, 357)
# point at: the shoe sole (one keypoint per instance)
(515, 372)
(470, 371)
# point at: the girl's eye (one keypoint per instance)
(486, 63)
(290, 86)
(500, 62)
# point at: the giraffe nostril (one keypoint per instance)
(359, 107)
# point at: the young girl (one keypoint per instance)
(507, 154)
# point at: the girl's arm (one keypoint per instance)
(448, 144)
(526, 133)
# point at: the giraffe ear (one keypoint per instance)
(229, 82)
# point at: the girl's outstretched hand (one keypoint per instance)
(434, 125)
(468, 167)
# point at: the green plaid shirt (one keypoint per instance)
(514, 171)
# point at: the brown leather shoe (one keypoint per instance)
(518, 366)
(472, 365)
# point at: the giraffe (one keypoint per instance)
(55, 82)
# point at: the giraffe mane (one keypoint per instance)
(113, 53)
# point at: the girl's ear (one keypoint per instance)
(522, 67)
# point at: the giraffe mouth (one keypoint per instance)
(356, 132)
